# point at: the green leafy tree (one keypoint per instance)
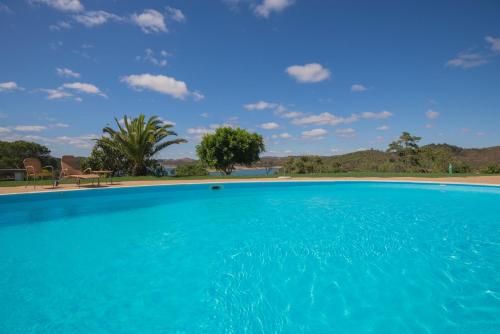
(107, 157)
(228, 147)
(139, 140)
(406, 147)
(12, 154)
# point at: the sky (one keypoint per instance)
(311, 76)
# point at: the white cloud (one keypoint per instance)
(330, 119)
(285, 135)
(63, 5)
(30, 128)
(431, 114)
(84, 88)
(157, 61)
(96, 18)
(428, 126)
(204, 115)
(176, 14)
(467, 60)
(324, 118)
(167, 122)
(358, 88)
(383, 128)
(374, 115)
(269, 126)
(149, 21)
(335, 150)
(308, 73)
(161, 84)
(494, 43)
(9, 86)
(260, 105)
(346, 133)
(60, 25)
(314, 133)
(54, 94)
(266, 7)
(61, 125)
(197, 96)
(291, 114)
(4, 130)
(67, 73)
(200, 130)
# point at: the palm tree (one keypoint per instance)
(139, 140)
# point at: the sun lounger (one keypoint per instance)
(70, 169)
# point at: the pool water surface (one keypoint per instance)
(288, 257)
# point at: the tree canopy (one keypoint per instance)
(228, 147)
(138, 140)
(13, 153)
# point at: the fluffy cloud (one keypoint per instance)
(346, 133)
(84, 88)
(358, 88)
(376, 115)
(291, 114)
(4, 130)
(55, 94)
(176, 14)
(267, 7)
(61, 125)
(167, 122)
(260, 105)
(161, 84)
(269, 126)
(283, 135)
(330, 119)
(383, 128)
(30, 128)
(9, 86)
(467, 60)
(67, 73)
(494, 43)
(314, 133)
(323, 119)
(308, 73)
(62, 5)
(60, 25)
(150, 21)
(431, 114)
(96, 18)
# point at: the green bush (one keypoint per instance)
(191, 170)
(492, 169)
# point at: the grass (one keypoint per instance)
(211, 177)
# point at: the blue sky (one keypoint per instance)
(313, 77)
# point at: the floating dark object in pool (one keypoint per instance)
(216, 187)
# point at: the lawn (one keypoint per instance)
(211, 177)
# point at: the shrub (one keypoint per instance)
(191, 170)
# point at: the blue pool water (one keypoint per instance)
(252, 258)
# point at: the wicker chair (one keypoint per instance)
(70, 169)
(35, 171)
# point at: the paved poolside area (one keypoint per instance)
(493, 180)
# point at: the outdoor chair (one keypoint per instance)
(70, 169)
(35, 171)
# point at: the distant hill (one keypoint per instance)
(434, 157)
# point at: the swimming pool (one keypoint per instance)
(294, 257)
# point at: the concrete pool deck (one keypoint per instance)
(481, 180)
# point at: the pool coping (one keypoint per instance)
(291, 180)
